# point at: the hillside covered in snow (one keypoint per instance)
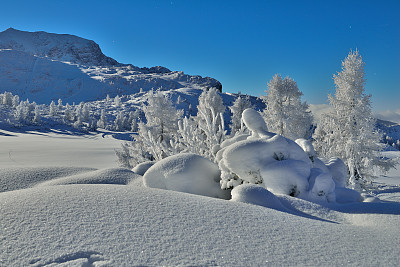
(43, 67)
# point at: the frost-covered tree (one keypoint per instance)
(36, 117)
(68, 113)
(15, 101)
(155, 139)
(53, 109)
(7, 99)
(241, 103)
(120, 121)
(85, 113)
(285, 114)
(210, 119)
(117, 101)
(349, 131)
(102, 122)
(59, 105)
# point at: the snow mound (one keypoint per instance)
(347, 195)
(142, 167)
(21, 178)
(256, 195)
(119, 176)
(186, 172)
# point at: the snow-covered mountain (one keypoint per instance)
(61, 47)
(46, 66)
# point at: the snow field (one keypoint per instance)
(104, 216)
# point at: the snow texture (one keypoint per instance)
(131, 225)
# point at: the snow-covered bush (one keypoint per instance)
(186, 172)
(278, 164)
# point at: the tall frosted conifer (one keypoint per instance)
(349, 131)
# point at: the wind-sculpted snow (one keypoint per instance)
(114, 225)
(20, 178)
(115, 176)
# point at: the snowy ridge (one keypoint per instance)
(61, 47)
(43, 67)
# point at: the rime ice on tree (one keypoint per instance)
(349, 131)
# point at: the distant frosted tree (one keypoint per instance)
(36, 118)
(59, 105)
(349, 131)
(241, 103)
(15, 101)
(120, 121)
(102, 122)
(85, 114)
(8, 99)
(68, 113)
(285, 114)
(117, 101)
(53, 109)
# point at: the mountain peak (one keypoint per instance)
(61, 47)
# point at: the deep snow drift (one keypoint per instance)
(55, 211)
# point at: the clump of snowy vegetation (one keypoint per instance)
(252, 154)
(267, 160)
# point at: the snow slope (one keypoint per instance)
(44, 66)
(61, 47)
(80, 216)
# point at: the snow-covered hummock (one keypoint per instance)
(279, 164)
(256, 195)
(185, 172)
(142, 168)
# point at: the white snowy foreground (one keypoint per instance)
(64, 202)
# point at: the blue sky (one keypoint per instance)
(240, 43)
